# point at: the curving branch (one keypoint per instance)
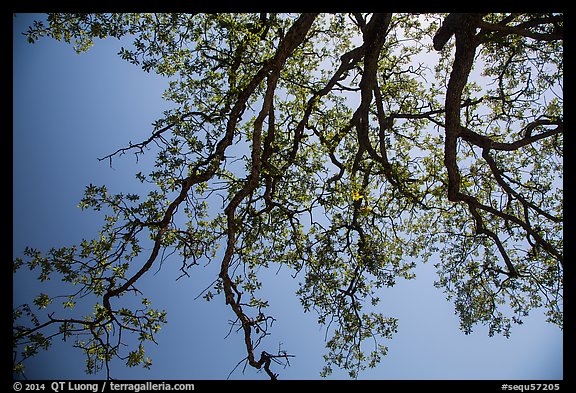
(525, 29)
(466, 43)
(293, 38)
(484, 141)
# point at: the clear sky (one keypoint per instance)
(70, 109)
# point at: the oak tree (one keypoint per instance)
(374, 142)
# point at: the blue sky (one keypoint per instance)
(70, 109)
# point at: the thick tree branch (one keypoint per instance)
(486, 142)
(524, 30)
(463, 61)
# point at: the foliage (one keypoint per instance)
(367, 152)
